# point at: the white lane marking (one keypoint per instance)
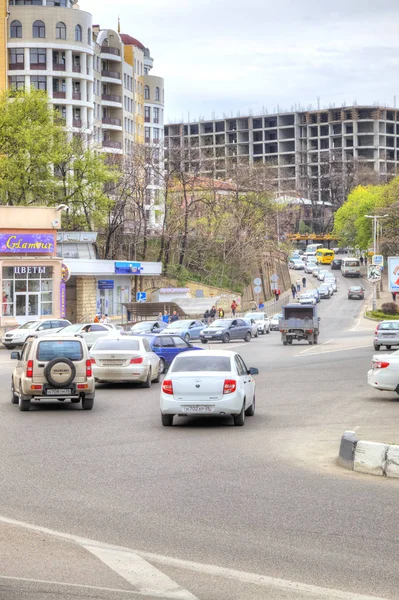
(72, 585)
(323, 344)
(337, 350)
(252, 578)
(145, 578)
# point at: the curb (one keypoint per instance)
(372, 458)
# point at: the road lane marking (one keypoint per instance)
(330, 351)
(146, 579)
(323, 344)
(72, 585)
(312, 591)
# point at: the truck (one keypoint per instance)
(299, 322)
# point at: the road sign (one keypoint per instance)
(257, 281)
(374, 273)
(378, 259)
(393, 273)
(257, 289)
(141, 296)
(274, 277)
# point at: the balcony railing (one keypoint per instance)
(147, 120)
(77, 123)
(76, 68)
(58, 67)
(147, 140)
(109, 50)
(111, 144)
(111, 121)
(76, 96)
(16, 66)
(57, 94)
(111, 97)
(113, 74)
(38, 66)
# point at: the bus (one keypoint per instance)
(350, 267)
(311, 250)
(325, 256)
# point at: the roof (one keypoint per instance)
(128, 40)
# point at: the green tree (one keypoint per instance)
(350, 223)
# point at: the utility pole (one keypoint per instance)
(375, 250)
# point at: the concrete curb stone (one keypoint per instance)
(372, 458)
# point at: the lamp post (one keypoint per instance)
(375, 250)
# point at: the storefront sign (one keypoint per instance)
(29, 270)
(132, 268)
(62, 299)
(105, 284)
(27, 243)
(65, 272)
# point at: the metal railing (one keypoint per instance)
(113, 74)
(111, 121)
(110, 50)
(111, 97)
(111, 144)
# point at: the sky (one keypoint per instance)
(224, 57)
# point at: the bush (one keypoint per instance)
(390, 308)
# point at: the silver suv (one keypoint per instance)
(56, 368)
(386, 334)
(18, 336)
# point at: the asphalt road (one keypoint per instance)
(204, 509)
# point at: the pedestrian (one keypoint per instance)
(304, 281)
(165, 317)
(277, 293)
(97, 318)
(293, 290)
(394, 296)
(365, 260)
(298, 285)
(212, 313)
(160, 316)
(174, 317)
(361, 260)
(207, 316)
(104, 319)
(261, 305)
(221, 313)
(5, 299)
(233, 308)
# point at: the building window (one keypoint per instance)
(39, 82)
(38, 58)
(78, 33)
(146, 92)
(17, 57)
(61, 3)
(147, 134)
(156, 115)
(147, 114)
(89, 38)
(17, 82)
(61, 109)
(155, 135)
(39, 29)
(60, 31)
(157, 93)
(16, 29)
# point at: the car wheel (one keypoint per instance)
(9, 347)
(204, 341)
(377, 347)
(23, 404)
(14, 397)
(225, 338)
(158, 377)
(239, 419)
(248, 337)
(186, 338)
(284, 343)
(147, 382)
(289, 342)
(75, 400)
(315, 340)
(256, 334)
(87, 403)
(251, 410)
(388, 347)
(268, 330)
(162, 365)
(167, 420)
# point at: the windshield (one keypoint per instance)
(221, 323)
(278, 316)
(352, 263)
(142, 326)
(71, 328)
(201, 363)
(48, 350)
(117, 344)
(179, 325)
(255, 316)
(29, 325)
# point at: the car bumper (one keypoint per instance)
(11, 342)
(357, 296)
(39, 395)
(210, 337)
(128, 373)
(274, 328)
(381, 379)
(231, 405)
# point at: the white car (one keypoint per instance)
(296, 264)
(331, 281)
(208, 383)
(261, 319)
(307, 298)
(90, 332)
(384, 372)
(253, 326)
(274, 322)
(17, 337)
(315, 271)
(310, 265)
(322, 274)
(124, 358)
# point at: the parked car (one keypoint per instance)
(261, 319)
(384, 372)
(296, 263)
(330, 280)
(119, 358)
(166, 347)
(188, 329)
(309, 266)
(324, 291)
(386, 334)
(17, 337)
(336, 264)
(253, 326)
(211, 383)
(146, 327)
(356, 291)
(321, 274)
(307, 298)
(274, 322)
(90, 332)
(56, 368)
(226, 330)
(315, 272)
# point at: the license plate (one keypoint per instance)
(202, 408)
(207, 336)
(112, 363)
(388, 335)
(59, 392)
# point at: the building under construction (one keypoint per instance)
(316, 154)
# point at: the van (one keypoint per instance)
(350, 267)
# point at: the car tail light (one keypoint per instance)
(380, 364)
(309, 331)
(29, 369)
(136, 361)
(82, 386)
(36, 387)
(89, 371)
(93, 361)
(230, 386)
(167, 386)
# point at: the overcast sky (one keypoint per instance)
(223, 56)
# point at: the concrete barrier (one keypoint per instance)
(371, 458)
(347, 449)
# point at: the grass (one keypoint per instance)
(378, 315)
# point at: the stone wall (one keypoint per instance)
(150, 284)
(86, 298)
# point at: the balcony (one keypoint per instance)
(76, 68)
(57, 94)
(111, 121)
(77, 123)
(147, 120)
(38, 66)
(109, 50)
(111, 98)
(112, 74)
(58, 66)
(76, 96)
(16, 66)
(111, 144)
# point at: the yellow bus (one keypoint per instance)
(325, 256)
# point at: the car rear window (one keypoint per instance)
(50, 349)
(392, 325)
(122, 344)
(184, 364)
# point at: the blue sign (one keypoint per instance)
(105, 284)
(130, 268)
(141, 296)
(378, 259)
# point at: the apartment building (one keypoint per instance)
(304, 150)
(98, 79)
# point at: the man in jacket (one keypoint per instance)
(174, 317)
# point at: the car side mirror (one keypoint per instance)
(40, 328)
(253, 371)
(16, 355)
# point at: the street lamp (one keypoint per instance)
(375, 250)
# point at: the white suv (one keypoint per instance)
(18, 336)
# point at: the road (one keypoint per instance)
(125, 508)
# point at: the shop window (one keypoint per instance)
(27, 291)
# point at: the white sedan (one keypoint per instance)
(307, 298)
(215, 383)
(261, 319)
(384, 372)
(90, 332)
(120, 358)
(296, 264)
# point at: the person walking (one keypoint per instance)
(233, 308)
(165, 317)
(361, 260)
(304, 281)
(394, 296)
(174, 317)
(212, 313)
(207, 316)
(221, 313)
(97, 318)
(293, 290)
(298, 285)
(277, 293)
(160, 316)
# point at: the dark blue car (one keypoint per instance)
(167, 347)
